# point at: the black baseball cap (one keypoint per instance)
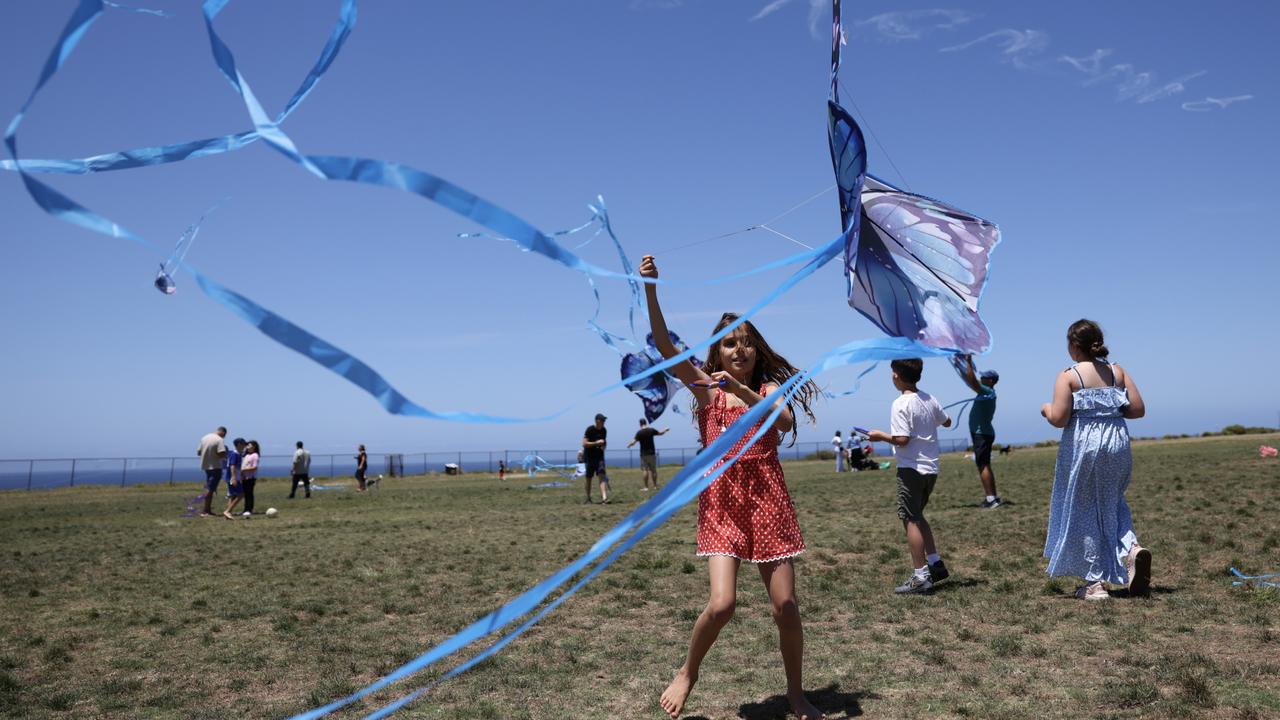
(600, 416)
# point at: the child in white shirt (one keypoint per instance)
(913, 432)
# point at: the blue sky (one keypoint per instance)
(1126, 151)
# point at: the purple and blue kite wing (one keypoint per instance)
(849, 158)
(918, 268)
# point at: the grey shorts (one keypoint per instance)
(914, 489)
(649, 462)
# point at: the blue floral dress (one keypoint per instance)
(1090, 528)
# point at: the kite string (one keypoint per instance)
(758, 226)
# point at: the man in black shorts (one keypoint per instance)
(593, 444)
(648, 453)
(982, 429)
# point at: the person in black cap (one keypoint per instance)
(593, 444)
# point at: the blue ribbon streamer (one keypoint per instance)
(269, 323)
(177, 152)
(368, 171)
(687, 484)
(684, 487)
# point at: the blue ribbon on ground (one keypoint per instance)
(1242, 576)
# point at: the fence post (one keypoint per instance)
(124, 470)
(631, 459)
(330, 467)
(459, 462)
(172, 462)
(682, 461)
(490, 469)
(73, 473)
(31, 469)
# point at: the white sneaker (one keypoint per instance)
(246, 513)
(915, 585)
(1096, 591)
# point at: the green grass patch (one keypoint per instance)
(115, 607)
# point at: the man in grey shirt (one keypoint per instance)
(212, 451)
(301, 471)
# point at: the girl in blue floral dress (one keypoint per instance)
(1090, 528)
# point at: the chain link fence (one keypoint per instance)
(45, 473)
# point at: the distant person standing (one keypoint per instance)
(235, 486)
(362, 467)
(249, 474)
(648, 453)
(594, 440)
(211, 451)
(502, 470)
(982, 431)
(301, 471)
(837, 443)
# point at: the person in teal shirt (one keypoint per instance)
(982, 430)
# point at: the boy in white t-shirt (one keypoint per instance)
(913, 432)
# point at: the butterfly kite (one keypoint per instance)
(915, 266)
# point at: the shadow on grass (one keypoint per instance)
(1123, 594)
(1153, 592)
(830, 700)
(950, 585)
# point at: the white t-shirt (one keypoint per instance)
(836, 442)
(917, 416)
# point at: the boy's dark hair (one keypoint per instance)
(909, 369)
(299, 444)
(1086, 336)
(643, 422)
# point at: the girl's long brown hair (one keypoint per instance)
(770, 367)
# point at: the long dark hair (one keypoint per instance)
(1086, 336)
(770, 367)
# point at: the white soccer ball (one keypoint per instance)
(272, 512)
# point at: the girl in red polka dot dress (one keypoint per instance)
(746, 514)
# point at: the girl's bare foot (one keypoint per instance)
(677, 692)
(803, 709)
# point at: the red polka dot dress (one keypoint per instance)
(747, 512)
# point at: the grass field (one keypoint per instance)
(113, 606)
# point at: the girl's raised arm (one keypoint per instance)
(687, 372)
